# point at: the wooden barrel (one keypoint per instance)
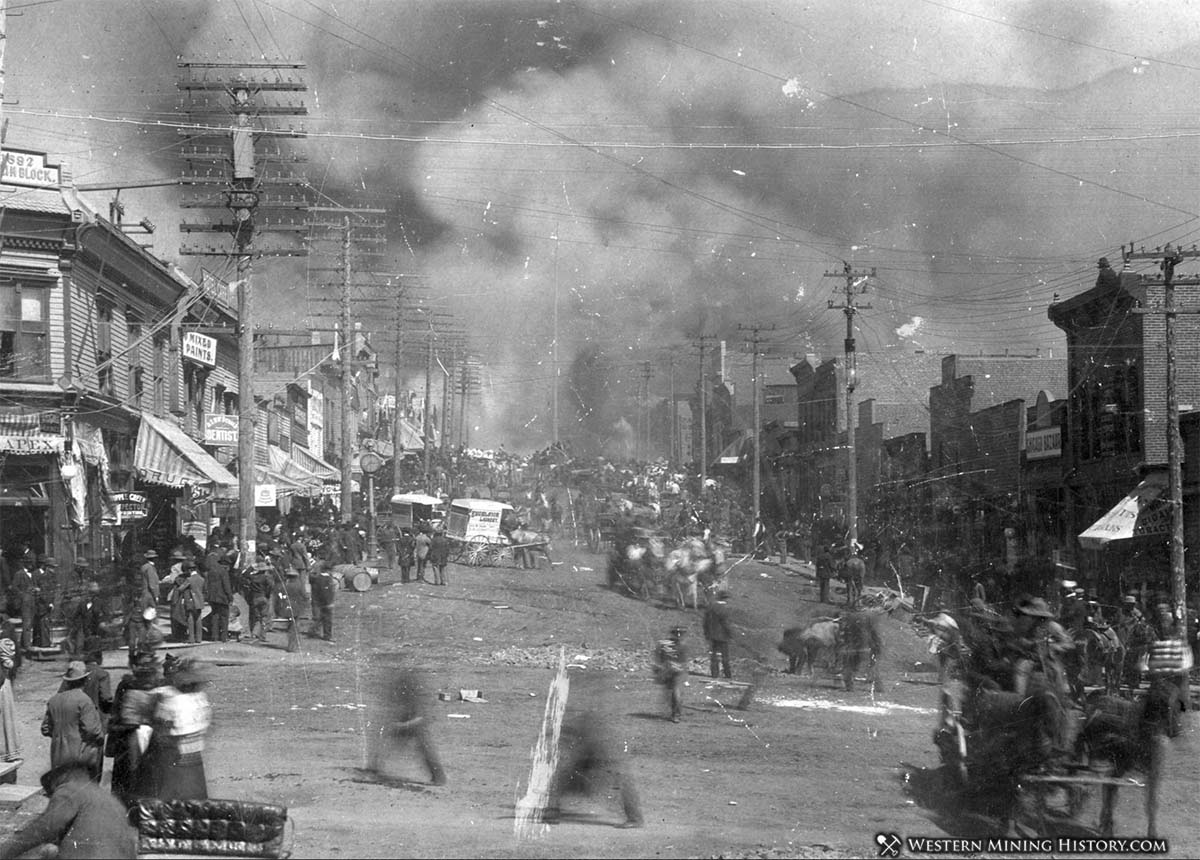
(361, 581)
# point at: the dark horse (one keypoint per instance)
(1131, 736)
(859, 640)
(1096, 651)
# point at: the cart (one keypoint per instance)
(473, 527)
(410, 509)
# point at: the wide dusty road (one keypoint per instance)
(808, 770)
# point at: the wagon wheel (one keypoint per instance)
(476, 553)
(501, 555)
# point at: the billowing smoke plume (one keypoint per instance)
(603, 183)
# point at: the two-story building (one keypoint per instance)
(100, 384)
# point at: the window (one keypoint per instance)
(136, 371)
(104, 370)
(159, 376)
(195, 380)
(23, 330)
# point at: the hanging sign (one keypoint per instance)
(264, 495)
(200, 348)
(131, 506)
(220, 429)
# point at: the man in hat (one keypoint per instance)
(1038, 642)
(144, 633)
(718, 630)
(98, 687)
(45, 582)
(194, 599)
(23, 598)
(148, 584)
(81, 820)
(259, 589)
(72, 723)
(85, 624)
(670, 669)
(132, 715)
(401, 719)
(324, 592)
(219, 592)
(1136, 635)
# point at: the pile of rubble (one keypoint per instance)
(546, 657)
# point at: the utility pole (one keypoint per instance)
(427, 424)
(757, 477)
(673, 426)
(703, 420)
(347, 356)
(647, 372)
(1169, 258)
(554, 357)
(241, 193)
(854, 280)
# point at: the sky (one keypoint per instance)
(632, 176)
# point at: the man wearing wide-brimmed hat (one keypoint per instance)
(1039, 641)
(81, 820)
(148, 583)
(72, 723)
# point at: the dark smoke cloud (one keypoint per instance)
(642, 250)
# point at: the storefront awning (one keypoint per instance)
(306, 482)
(166, 455)
(1139, 513)
(315, 464)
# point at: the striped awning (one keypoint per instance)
(30, 432)
(315, 464)
(166, 455)
(305, 482)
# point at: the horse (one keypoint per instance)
(687, 566)
(527, 543)
(859, 639)
(1130, 736)
(803, 645)
(1096, 650)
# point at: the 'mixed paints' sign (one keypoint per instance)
(200, 347)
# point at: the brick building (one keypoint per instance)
(1116, 419)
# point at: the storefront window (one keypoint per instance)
(23, 331)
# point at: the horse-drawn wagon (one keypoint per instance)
(409, 510)
(478, 530)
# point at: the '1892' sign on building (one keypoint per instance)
(29, 169)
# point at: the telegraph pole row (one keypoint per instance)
(1169, 258)
(855, 285)
(703, 418)
(367, 220)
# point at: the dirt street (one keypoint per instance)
(808, 770)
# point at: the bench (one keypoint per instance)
(209, 828)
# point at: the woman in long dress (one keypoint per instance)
(173, 767)
(10, 742)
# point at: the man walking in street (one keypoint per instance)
(72, 723)
(401, 720)
(23, 598)
(324, 591)
(824, 565)
(670, 670)
(421, 544)
(718, 632)
(259, 590)
(405, 550)
(98, 687)
(219, 588)
(85, 627)
(148, 586)
(194, 599)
